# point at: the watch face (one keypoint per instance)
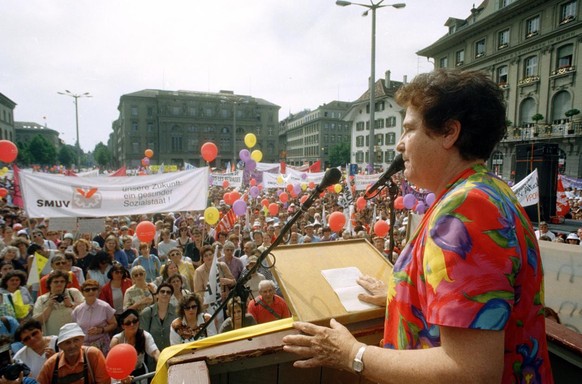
(358, 366)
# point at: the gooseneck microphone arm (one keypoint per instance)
(396, 166)
(332, 176)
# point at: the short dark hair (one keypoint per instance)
(27, 325)
(186, 299)
(469, 97)
(167, 285)
(11, 274)
(53, 275)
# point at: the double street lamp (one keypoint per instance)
(76, 97)
(373, 7)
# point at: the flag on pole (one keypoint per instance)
(38, 264)
(161, 169)
(17, 196)
(226, 224)
(562, 205)
(527, 190)
(213, 294)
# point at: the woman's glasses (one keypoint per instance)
(189, 308)
(90, 289)
(138, 274)
(165, 292)
(130, 322)
(117, 271)
(34, 333)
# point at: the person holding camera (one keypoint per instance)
(54, 308)
(12, 371)
(37, 347)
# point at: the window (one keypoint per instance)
(135, 147)
(443, 62)
(176, 144)
(530, 66)
(460, 57)
(480, 48)
(379, 139)
(150, 126)
(176, 110)
(532, 27)
(503, 39)
(565, 56)
(379, 155)
(502, 75)
(567, 12)
(133, 110)
(134, 126)
(150, 111)
(390, 154)
(379, 123)
(505, 3)
(390, 121)
(359, 157)
(390, 138)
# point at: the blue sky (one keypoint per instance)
(295, 53)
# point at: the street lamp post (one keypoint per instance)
(76, 97)
(372, 6)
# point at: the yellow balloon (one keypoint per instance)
(280, 179)
(337, 188)
(5, 169)
(256, 155)
(303, 186)
(211, 215)
(250, 140)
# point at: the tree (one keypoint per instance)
(339, 154)
(41, 151)
(67, 155)
(102, 155)
(23, 154)
(572, 112)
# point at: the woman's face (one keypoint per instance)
(191, 309)
(110, 244)
(144, 251)
(117, 274)
(81, 247)
(13, 283)
(6, 268)
(58, 285)
(207, 257)
(90, 292)
(177, 284)
(8, 232)
(32, 337)
(130, 323)
(172, 269)
(164, 294)
(138, 276)
(10, 255)
(236, 313)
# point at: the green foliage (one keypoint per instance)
(572, 112)
(23, 158)
(102, 155)
(537, 117)
(339, 154)
(41, 151)
(68, 155)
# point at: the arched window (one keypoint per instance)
(560, 104)
(526, 110)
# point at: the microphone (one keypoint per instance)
(332, 176)
(396, 166)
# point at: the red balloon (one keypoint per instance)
(260, 187)
(274, 209)
(8, 151)
(336, 221)
(360, 203)
(311, 185)
(284, 197)
(253, 182)
(145, 231)
(225, 184)
(381, 228)
(209, 151)
(289, 188)
(234, 196)
(120, 361)
(3, 192)
(399, 202)
(265, 203)
(303, 198)
(227, 197)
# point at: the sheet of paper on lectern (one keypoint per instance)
(343, 281)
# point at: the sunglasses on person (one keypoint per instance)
(90, 289)
(57, 263)
(130, 322)
(189, 308)
(34, 333)
(165, 292)
(138, 274)
(172, 254)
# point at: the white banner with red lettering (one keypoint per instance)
(47, 195)
(272, 180)
(234, 179)
(527, 190)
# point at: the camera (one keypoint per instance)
(12, 371)
(60, 298)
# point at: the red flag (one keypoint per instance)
(120, 172)
(283, 168)
(562, 205)
(17, 196)
(70, 172)
(226, 223)
(315, 167)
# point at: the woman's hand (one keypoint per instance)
(67, 301)
(321, 346)
(127, 380)
(377, 288)
(48, 352)
(94, 331)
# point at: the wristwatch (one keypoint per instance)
(358, 364)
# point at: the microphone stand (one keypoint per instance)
(243, 279)
(392, 193)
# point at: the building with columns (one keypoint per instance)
(6, 118)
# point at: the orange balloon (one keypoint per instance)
(284, 197)
(253, 182)
(265, 203)
(289, 188)
(360, 203)
(8, 151)
(148, 153)
(336, 221)
(381, 228)
(209, 151)
(311, 185)
(3, 192)
(145, 231)
(273, 209)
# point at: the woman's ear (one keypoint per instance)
(452, 133)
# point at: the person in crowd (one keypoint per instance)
(11, 254)
(67, 242)
(309, 232)
(465, 298)
(235, 320)
(114, 251)
(165, 244)
(141, 293)
(83, 257)
(74, 363)
(544, 230)
(193, 249)
(253, 283)
(202, 273)
(99, 268)
(37, 347)
(249, 248)
(177, 282)
(149, 262)
(54, 308)
(234, 264)
(6, 236)
(268, 306)
(5, 267)
(190, 320)
(59, 263)
(22, 245)
(133, 335)
(573, 238)
(168, 270)
(15, 281)
(183, 238)
(157, 318)
(114, 290)
(184, 267)
(127, 248)
(70, 266)
(101, 236)
(96, 317)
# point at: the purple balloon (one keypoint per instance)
(250, 165)
(420, 208)
(244, 155)
(430, 199)
(239, 207)
(254, 192)
(409, 201)
(145, 161)
(210, 179)
(510, 183)
(304, 176)
(297, 189)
